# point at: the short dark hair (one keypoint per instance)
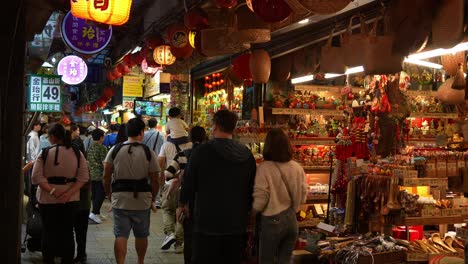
(97, 134)
(59, 132)
(152, 122)
(197, 134)
(73, 127)
(174, 111)
(277, 146)
(35, 124)
(134, 127)
(225, 120)
(115, 127)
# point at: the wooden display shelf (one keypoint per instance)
(434, 220)
(317, 198)
(314, 141)
(317, 88)
(421, 93)
(414, 182)
(435, 115)
(316, 168)
(424, 257)
(300, 111)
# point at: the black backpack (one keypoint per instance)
(118, 146)
(45, 153)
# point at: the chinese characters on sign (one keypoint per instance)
(83, 37)
(73, 69)
(44, 93)
(132, 86)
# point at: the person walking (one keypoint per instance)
(33, 143)
(88, 141)
(60, 172)
(96, 155)
(132, 171)
(219, 179)
(154, 140)
(198, 137)
(280, 187)
(44, 138)
(170, 194)
(109, 139)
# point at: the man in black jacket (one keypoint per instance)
(219, 179)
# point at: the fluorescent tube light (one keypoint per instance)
(302, 79)
(136, 49)
(423, 63)
(332, 75)
(354, 70)
(438, 52)
(304, 21)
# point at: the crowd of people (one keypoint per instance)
(209, 190)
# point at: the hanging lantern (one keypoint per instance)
(117, 74)
(177, 35)
(108, 92)
(93, 107)
(191, 38)
(225, 3)
(110, 76)
(162, 55)
(241, 67)
(182, 53)
(123, 68)
(196, 18)
(100, 103)
(271, 11)
(149, 70)
(137, 57)
(260, 66)
(112, 12)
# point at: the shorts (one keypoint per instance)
(136, 220)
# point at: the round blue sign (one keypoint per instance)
(83, 37)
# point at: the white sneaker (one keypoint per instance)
(168, 241)
(178, 248)
(95, 218)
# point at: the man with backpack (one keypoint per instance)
(132, 170)
(172, 229)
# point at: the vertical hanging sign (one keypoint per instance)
(44, 93)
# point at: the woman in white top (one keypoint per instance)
(280, 187)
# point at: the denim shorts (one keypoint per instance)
(126, 220)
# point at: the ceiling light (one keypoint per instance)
(354, 70)
(47, 65)
(54, 60)
(304, 21)
(423, 63)
(136, 49)
(302, 79)
(332, 75)
(438, 52)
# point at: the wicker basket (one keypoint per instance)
(218, 41)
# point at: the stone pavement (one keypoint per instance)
(100, 244)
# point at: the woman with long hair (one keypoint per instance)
(280, 187)
(60, 171)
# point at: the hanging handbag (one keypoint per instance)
(353, 44)
(331, 58)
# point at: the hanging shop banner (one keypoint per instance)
(83, 37)
(73, 69)
(44, 93)
(132, 86)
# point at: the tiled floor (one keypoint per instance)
(100, 245)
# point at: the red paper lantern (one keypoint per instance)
(93, 107)
(241, 67)
(123, 68)
(182, 53)
(225, 3)
(116, 72)
(110, 76)
(127, 59)
(100, 103)
(153, 41)
(137, 58)
(108, 92)
(195, 19)
(271, 11)
(149, 57)
(177, 35)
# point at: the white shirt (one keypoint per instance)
(169, 150)
(177, 128)
(33, 146)
(271, 195)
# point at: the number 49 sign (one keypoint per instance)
(44, 93)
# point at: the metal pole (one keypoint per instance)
(327, 220)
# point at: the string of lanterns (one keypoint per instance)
(100, 103)
(214, 81)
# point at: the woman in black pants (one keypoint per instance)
(60, 172)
